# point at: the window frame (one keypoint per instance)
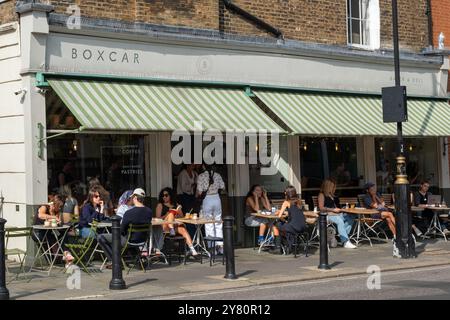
(362, 22)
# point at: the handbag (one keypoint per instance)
(211, 181)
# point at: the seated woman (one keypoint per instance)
(125, 203)
(296, 220)
(93, 209)
(373, 200)
(255, 201)
(168, 210)
(329, 203)
(46, 213)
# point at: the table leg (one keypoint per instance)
(267, 238)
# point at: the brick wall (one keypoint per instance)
(7, 12)
(322, 21)
(441, 20)
(440, 10)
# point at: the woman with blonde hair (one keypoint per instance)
(329, 203)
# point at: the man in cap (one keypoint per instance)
(139, 214)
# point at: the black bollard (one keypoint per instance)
(228, 222)
(323, 242)
(117, 282)
(4, 293)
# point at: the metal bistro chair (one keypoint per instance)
(137, 250)
(372, 225)
(80, 250)
(16, 232)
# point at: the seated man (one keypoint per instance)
(139, 214)
(421, 200)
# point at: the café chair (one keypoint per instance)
(81, 249)
(136, 251)
(16, 232)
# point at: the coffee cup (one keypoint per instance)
(46, 223)
(194, 216)
(188, 216)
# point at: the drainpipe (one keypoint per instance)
(247, 15)
(430, 25)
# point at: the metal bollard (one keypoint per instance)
(323, 242)
(230, 272)
(4, 293)
(117, 282)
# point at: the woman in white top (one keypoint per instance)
(209, 183)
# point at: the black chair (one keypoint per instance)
(212, 249)
(174, 246)
(294, 241)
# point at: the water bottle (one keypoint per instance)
(274, 209)
(315, 210)
(346, 205)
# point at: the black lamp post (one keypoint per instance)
(404, 240)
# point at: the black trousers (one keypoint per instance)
(105, 242)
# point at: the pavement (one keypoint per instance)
(253, 269)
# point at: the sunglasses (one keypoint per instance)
(165, 195)
(96, 196)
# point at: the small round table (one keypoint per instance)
(359, 233)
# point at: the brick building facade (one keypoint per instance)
(304, 20)
(440, 10)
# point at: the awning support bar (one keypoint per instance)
(41, 138)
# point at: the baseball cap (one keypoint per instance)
(139, 192)
(368, 185)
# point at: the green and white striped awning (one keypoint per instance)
(331, 114)
(102, 105)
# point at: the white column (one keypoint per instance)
(443, 163)
(160, 162)
(294, 162)
(370, 168)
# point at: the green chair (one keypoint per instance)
(81, 250)
(135, 250)
(16, 232)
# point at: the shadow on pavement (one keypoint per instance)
(27, 294)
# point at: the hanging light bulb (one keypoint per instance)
(381, 147)
(336, 146)
(75, 145)
(410, 147)
(305, 146)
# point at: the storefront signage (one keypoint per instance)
(170, 61)
(113, 56)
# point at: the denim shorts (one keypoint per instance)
(255, 221)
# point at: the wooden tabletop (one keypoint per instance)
(197, 221)
(311, 214)
(432, 207)
(265, 216)
(360, 211)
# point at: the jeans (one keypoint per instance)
(86, 233)
(344, 224)
(212, 210)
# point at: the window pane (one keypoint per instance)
(275, 184)
(421, 162)
(311, 163)
(355, 8)
(365, 33)
(118, 161)
(356, 32)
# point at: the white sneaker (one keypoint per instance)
(395, 252)
(445, 231)
(193, 251)
(349, 245)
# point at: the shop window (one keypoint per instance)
(274, 184)
(322, 158)
(118, 161)
(421, 161)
